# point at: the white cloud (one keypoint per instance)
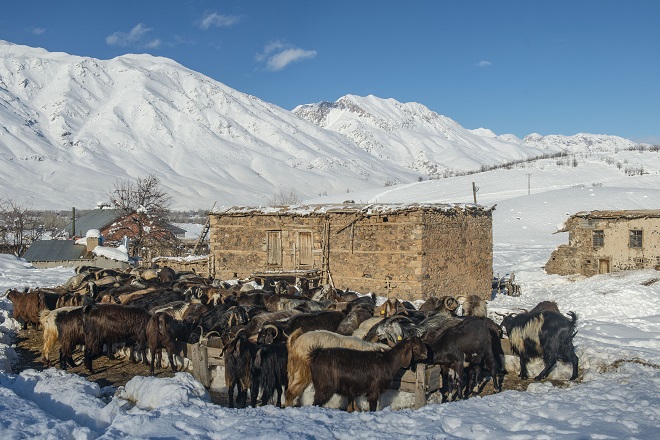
(37, 30)
(484, 63)
(277, 55)
(152, 44)
(214, 19)
(134, 37)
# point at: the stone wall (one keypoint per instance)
(408, 254)
(458, 254)
(199, 265)
(580, 256)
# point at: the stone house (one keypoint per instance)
(406, 251)
(608, 241)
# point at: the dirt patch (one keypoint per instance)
(107, 372)
(650, 282)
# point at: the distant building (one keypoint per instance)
(151, 237)
(407, 251)
(608, 241)
(69, 253)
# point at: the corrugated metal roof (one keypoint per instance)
(54, 250)
(95, 219)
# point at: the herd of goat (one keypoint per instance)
(279, 339)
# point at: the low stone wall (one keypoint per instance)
(197, 264)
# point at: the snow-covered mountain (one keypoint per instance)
(71, 127)
(412, 135)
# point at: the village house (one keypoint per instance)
(85, 251)
(115, 225)
(608, 241)
(406, 251)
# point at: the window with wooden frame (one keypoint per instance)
(598, 238)
(636, 236)
(274, 248)
(305, 256)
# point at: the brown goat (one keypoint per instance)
(161, 333)
(26, 306)
(65, 324)
(300, 346)
(352, 373)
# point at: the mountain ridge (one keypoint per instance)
(71, 126)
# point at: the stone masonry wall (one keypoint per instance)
(409, 255)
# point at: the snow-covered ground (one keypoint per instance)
(618, 343)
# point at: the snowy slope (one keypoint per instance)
(71, 126)
(412, 135)
(79, 124)
(618, 345)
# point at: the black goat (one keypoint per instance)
(468, 342)
(269, 374)
(327, 320)
(544, 334)
(352, 373)
(239, 355)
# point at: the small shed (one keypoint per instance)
(608, 241)
(408, 251)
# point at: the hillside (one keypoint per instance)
(71, 127)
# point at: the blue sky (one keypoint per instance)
(551, 67)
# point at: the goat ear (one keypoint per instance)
(406, 357)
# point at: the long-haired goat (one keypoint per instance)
(352, 373)
(239, 355)
(548, 335)
(269, 374)
(161, 334)
(65, 324)
(300, 346)
(113, 323)
(468, 342)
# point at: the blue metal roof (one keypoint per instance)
(55, 250)
(94, 219)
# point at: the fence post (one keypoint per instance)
(200, 363)
(420, 386)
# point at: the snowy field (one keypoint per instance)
(618, 344)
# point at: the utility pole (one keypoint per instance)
(529, 184)
(475, 188)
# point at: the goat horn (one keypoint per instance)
(277, 330)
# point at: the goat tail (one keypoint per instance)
(43, 316)
(292, 338)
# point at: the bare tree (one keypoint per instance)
(287, 196)
(19, 227)
(144, 203)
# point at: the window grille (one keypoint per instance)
(598, 239)
(636, 238)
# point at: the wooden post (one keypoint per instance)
(420, 386)
(474, 192)
(200, 362)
